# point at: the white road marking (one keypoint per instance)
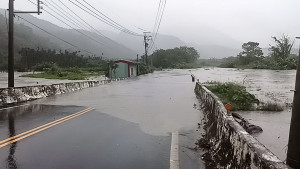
(14, 107)
(174, 155)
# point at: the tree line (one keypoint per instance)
(38, 59)
(280, 56)
(179, 57)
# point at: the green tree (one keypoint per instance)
(251, 52)
(175, 58)
(282, 48)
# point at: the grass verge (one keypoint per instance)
(69, 74)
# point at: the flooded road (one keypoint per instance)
(150, 108)
(131, 126)
(268, 86)
(161, 103)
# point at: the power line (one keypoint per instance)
(55, 36)
(69, 24)
(100, 17)
(157, 16)
(89, 11)
(108, 17)
(82, 19)
(92, 28)
(62, 11)
(162, 13)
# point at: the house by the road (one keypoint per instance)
(123, 69)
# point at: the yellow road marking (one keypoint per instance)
(11, 138)
(42, 128)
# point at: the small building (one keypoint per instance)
(123, 69)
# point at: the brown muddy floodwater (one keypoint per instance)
(162, 102)
(268, 86)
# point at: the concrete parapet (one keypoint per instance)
(231, 145)
(22, 94)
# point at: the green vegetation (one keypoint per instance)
(239, 97)
(144, 69)
(60, 65)
(271, 107)
(75, 73)
(38, 59)
(279, 58)
(234, 94)
(178, 58)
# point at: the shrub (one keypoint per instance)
(234, 94)
(271, 107)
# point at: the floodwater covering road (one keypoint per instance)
(131, 126)
(140, 115)
(268, 86)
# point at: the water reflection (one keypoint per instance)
(11, 128)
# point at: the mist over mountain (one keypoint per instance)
(208, 42)
(27, 35)
(214, 51)
(136, 42)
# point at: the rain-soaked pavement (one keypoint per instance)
(130, 127)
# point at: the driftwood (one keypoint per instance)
(250, 128)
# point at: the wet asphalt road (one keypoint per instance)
(92, 140)
(130, 127)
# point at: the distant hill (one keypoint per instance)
(27, 35)
(136, 43)
(214, 51)
(169, 41)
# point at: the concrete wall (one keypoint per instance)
(231, 145)
(121, 71)
(22, 94)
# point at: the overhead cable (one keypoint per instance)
(75, 46)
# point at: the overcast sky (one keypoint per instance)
(242, 20)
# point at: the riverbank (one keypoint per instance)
(266, 85)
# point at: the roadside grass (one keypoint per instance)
(67, 73)
(240, 99)
(271, 107)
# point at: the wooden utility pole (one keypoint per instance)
(11, 78)
(147, 38)
(11, 44)
(293, 154)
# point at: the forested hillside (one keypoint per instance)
(27, 35)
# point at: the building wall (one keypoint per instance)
(231, 145)
(121, 71)
(134, 72)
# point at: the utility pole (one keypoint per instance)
(137, 64)
(147, 38)
(11, 79)
(11, 44)
(293, 154)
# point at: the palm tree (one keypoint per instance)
(282, 48)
